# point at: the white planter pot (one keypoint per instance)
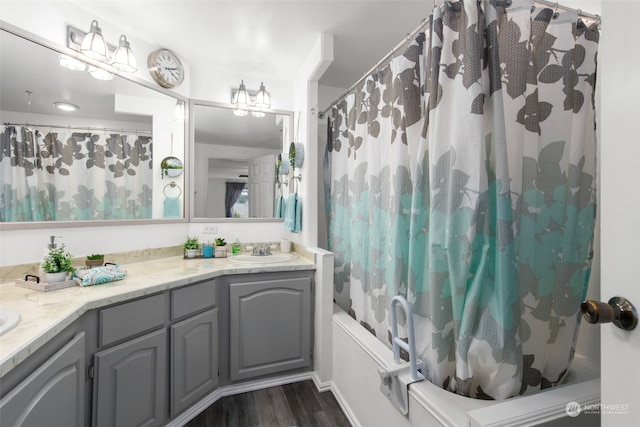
(56, 277)
(221, 252)
(191, 253)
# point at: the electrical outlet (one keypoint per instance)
(210, 229)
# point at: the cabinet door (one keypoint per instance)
(53, 395)
(194, 359)
(270, 327)
(130, 382)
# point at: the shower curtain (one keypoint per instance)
(62, 175)
(463, 178)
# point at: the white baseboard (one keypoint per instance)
(230, 390)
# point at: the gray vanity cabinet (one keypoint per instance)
(270, 325)
(130, 378)
(130, 382)
(194, 359)
(53, 395)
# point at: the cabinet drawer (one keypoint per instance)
(191, 299)
(131, 318)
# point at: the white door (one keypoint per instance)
(619, 198)
(262, 179)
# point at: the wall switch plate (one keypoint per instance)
(210, 229)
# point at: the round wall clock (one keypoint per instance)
(165, 68)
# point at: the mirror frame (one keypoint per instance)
(24, 34)
(191, 148)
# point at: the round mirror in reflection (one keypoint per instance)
(171, 166)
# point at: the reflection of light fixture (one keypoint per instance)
(99, 73)
(178, 112)
(71, 63)
(123, 58)
(65, 106)
(93, 44)
(244, 100)
(263, 100)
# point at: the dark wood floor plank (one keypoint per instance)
(291, 405)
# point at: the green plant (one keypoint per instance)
(191, 243)
(95, 256)
(57, 260)
(220, 241)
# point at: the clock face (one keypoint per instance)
(165, 68)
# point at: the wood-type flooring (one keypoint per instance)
(298, 404)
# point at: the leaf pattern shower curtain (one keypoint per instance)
(67, 176)
(463, 178)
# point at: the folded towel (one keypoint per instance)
(293, 214)
(172, 207)
(281, 207)
(99, 275)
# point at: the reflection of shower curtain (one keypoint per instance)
(477, 202)
(67, 176)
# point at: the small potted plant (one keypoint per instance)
(221, 248)
(191, 246)
(94, 260)
(56, 264)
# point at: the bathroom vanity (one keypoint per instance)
(145, 349)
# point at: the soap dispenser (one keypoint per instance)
(235, 247)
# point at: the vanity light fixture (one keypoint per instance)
(66, 106)
(240, 99)
(178, 112)
(244, 100)
(123, 58)
(93, 44)
(263, 100)
(71, 63)
(99, 73)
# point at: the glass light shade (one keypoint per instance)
(99, 73)
(263, 100)
(178, 112)
(123, 58)
(240, 112)
(71, 63)
(241, 97)
(93, 44)
(258, 114)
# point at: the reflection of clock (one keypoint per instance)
(165, 68)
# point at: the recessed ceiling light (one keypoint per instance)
(66, 106)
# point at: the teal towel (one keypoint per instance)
(293, 215)
(172, 207)
(281, 207)
(99, 275)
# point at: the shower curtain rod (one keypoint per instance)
(79, 128)
(409, 36)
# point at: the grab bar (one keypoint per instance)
(398, 343)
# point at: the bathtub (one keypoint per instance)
(357, 356)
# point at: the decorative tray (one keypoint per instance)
(37, 285)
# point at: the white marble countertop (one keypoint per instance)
(45, 314)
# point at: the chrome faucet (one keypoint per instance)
(263, 251)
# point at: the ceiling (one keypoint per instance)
(269, 39)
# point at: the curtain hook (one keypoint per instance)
(555, 11)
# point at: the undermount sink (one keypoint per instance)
(8, 320)
(262, 259)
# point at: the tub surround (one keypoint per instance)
(46, 314)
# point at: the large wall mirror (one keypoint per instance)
(233, 160)
(94, 165)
